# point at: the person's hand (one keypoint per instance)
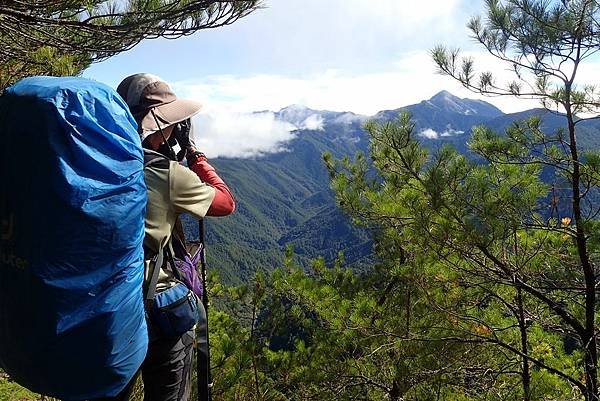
(181, 133)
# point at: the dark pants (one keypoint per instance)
(166, 371)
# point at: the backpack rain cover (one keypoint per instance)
(72, 204)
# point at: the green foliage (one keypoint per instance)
(459, 248)
(52, 37)
(544, 43)
(478, 291)
(469, 227)
(325, 336)
(11, 391)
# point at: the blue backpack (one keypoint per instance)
(72, 203)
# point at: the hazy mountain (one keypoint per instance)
(309, 119)
(445, 115)
(284, 198)
(446, 101)
(588, 132)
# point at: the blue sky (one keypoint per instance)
(343, 55)
(299, 37)
(311, 52)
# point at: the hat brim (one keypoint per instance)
(169, 114)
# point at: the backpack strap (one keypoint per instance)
(158, 260)
(154, 159)
(151, 289)
(170, 259)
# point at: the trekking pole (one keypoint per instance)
(203, 359)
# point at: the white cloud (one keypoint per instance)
(315, 35)
(247, 135)
(409, 80)
(429, 134)
(344, 55)
(225, 134)
(313, 122)
(374, 26)
(451, 131)
(402, 15)
(301, 117)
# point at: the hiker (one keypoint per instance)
(172, 190)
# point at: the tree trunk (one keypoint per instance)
(525, 373)
(588, 338)
(394, 393)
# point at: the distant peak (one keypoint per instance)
(443, 95)
(445, 100)
(294, 107)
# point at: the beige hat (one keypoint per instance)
(145, 93)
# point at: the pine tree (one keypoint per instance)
(63, 37)
(545, 43)
(507, 236)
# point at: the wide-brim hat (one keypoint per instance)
(153, 102)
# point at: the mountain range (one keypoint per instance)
(284, 198)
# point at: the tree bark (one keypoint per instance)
(525, 373)
(588, 336)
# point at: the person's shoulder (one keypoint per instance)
(154, 159)
(183, 176)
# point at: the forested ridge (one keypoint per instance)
(285, 199)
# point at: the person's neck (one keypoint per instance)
(153, 142)
(151, 145)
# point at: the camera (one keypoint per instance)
(176, 146)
